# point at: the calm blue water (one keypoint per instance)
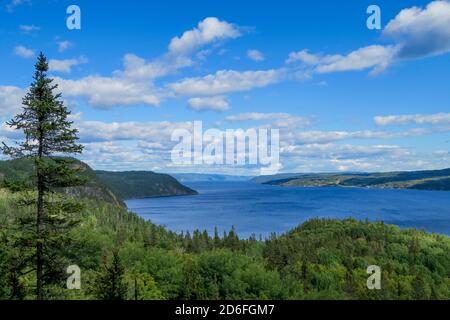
(262, 209)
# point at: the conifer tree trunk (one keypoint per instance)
(40, 223)
(39, 233)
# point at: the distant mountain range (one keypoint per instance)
(422, 180)
(111, 187)
(199, 177)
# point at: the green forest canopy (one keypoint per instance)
(320, 259)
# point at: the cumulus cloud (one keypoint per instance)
(134, 84)
(256, 116)
(347, 157)
(345, 151)
(311, 59)
(373, 57)
(437, 118)
(218, 103)
(226, 81)
(275, 120)
(152, 131)
(255, 55)
(421, 32)
(307, 137)
(108, 92)
(65, 65)
(415, 32)
(138, 68)
(10, 100)
(180, 51)
(208, 31)
(23, 52)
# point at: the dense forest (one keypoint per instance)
(122, 256)
(142, 184)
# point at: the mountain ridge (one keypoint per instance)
(421, 180)
(100, 184)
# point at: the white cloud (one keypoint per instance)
(64, 45)
(255, 55)
(65, 65)
(152, 131)
(311, 59)
(416, 33)
(226, 81)
(344, 151)
(217, 103)
(308, 137)
(138, 68)
(10, 100)
(134, 84)
(29, 28)
(421, 32)
(180, 52)
(147, 145)
(373, 57)
(346, 157)
(256, 116)
(437, 118)
(376, 57)
(277, 120)
(209, 30)
(23, 52)
(109, 92)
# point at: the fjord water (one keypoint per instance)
(262, 209)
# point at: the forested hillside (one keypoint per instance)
(422, 180)
(121, 256)
(113, 187)
(142, 184)
(22, 171)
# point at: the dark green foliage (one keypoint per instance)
(332, 256)
(110, 284)
(142, 184)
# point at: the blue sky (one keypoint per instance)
(345, 98)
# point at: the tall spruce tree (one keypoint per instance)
(48, 139)
(110, 284)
